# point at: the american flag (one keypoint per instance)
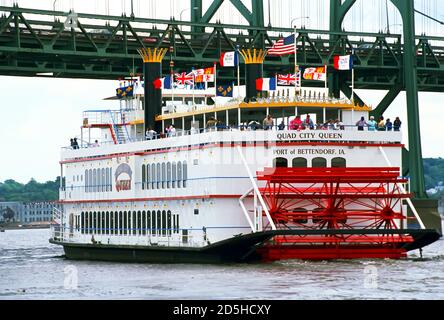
(289, 79)
(282, 47)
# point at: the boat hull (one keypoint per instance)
(257, 246)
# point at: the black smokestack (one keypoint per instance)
(254, 71)
(152, 96)
(152, 68)
(254, 60)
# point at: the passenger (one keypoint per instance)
(371, 124)
(388, 125)
(211, 123)
(150, 134)
(72, 143)
(281, 125)
(254, 125)
(172, 131)
(268, 123)
(381, 124)
(95, 144)
(308, 122)
(339, 125)
(296, 124)
(75, 144)
(193, 130)
(397, 124)
(361, 124)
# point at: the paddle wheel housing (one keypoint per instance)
(340, 212)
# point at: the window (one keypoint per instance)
(111, 223)
(143, 225)
(86, 181)
(168, 175)
(179, 174)
(196, 211)
(148, 177)
(158, 223)
(143, 176)
(158, 176)
(185, 174)
(103, 180)
(174, 173)
(299, 162)
(338, 162)
(148, 222)
(94, 223)
(82, 222)
(125, 222)
(300, 215)
(135, 222)
(99, 181)
(164, 223)
(280, 163)
(169, 222)
(94, 181)
(319, 162)
(163, 175)
(153, 176)
(153, 221)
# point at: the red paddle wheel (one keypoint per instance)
(334, 213)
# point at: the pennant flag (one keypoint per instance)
(229, 59)
(124, 92)
(184, 78)
(162, 83)
(282, 47)
(315, 74)
(265, 84)
(343, 62)
(224, 90)
(289, 79)
(204, 75)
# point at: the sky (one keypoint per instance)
(40, 115)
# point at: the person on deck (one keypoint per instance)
(296, 124)
(397, 124)
(281, 125)
(361, 124)
(308, 122)
(388, 125)
(381, 124)
(268, 123)
(371, 124)
(150, 134)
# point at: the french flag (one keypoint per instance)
(162, 83)
(229, 59)
(343, 62)
(265, 84)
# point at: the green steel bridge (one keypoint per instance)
(79, 45)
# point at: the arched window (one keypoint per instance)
(110, 175)
(107, 223)
(143, 226)
(82, 222)
(169, 222)
(148, 222)
(179, 174)
(148, 177)
(280, 163)
(299, 162)
(164, 223)
(86, 180)
(103, 180)
(159, 176)
(94, 223)
(111, 223)
(185, 174)
(319, 162)
(153, 223)
(168, 175)
(158, 223)
(99, 181)
(94, 181)
(163, 175)
(153, 177)
(338, 162)
(174, 174)
(125, 222)
(143, 176)
(136, 222)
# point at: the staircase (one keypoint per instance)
(120, 134)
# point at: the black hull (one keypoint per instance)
(242, 248)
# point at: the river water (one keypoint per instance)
(31, 268)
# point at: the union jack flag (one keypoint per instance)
(184, 78)
(289, 79)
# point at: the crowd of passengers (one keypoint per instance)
(268, 124)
